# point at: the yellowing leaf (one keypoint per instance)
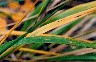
(24, 8)
(5, 10)
(17, 17)
(14, 5)
(2, 23)
(27, 5)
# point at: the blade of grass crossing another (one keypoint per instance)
(67, 13)
(62, 30)
(39, 9)
(14, 41)
(50, 39)
(70, 17)
(53, 24)
(48, 16)
(16, 24)
(60, 22)
(71, 11)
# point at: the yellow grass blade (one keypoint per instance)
(17, 24)
(38, 51)
(60, 22)
(17, 33)
(3, 23)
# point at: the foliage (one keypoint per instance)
(47, 27)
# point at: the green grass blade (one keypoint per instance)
(39, 9)
(50, 39)
(88, 57)
(67, 27)
(49, 15)
(7, 45)
(67, 13)
(71, 11)
(62, 30)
